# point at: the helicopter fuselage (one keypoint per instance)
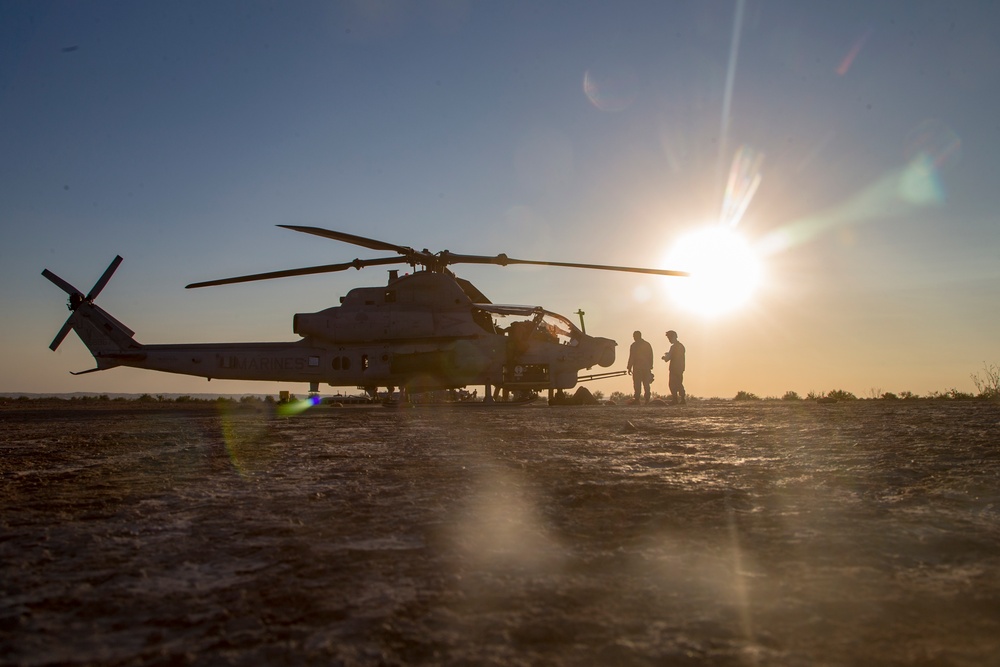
(421, 331)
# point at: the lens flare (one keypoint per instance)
(297, 407)
(610, 89)
(898, 193)
(932, 149)
(744, 179)
(852, 54)
(243, 430)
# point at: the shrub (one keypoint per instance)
(988, 384)
(956, 395)
(841, 395)
(950, 395)
(791, 396)
(746, 396)
(889, 396)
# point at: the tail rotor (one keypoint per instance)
(100, 284)
(78, 299)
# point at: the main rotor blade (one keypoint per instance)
(61, 284)
(309, 270)
(504, 260)
(350, 238)
(446, 258)
(99, 285)
(603, 267)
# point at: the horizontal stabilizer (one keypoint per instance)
(92, 370)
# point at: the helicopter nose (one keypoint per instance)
(605, 351)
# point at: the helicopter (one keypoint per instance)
(424, 331)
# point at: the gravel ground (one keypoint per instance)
(722, 533)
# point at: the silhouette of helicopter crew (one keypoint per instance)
(676, 358)
(640, 366)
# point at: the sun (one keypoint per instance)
(725, 270)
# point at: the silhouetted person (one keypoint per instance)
(675, 357)
(640, 365)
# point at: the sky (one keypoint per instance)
(850, 148)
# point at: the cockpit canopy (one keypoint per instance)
(531, 322)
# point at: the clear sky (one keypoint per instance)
(864, 138)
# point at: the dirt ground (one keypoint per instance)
(717, 533)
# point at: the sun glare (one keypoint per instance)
(725, 271)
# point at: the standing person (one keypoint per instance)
(640, 365)
(675, 356)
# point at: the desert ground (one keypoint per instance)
(717, 533)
